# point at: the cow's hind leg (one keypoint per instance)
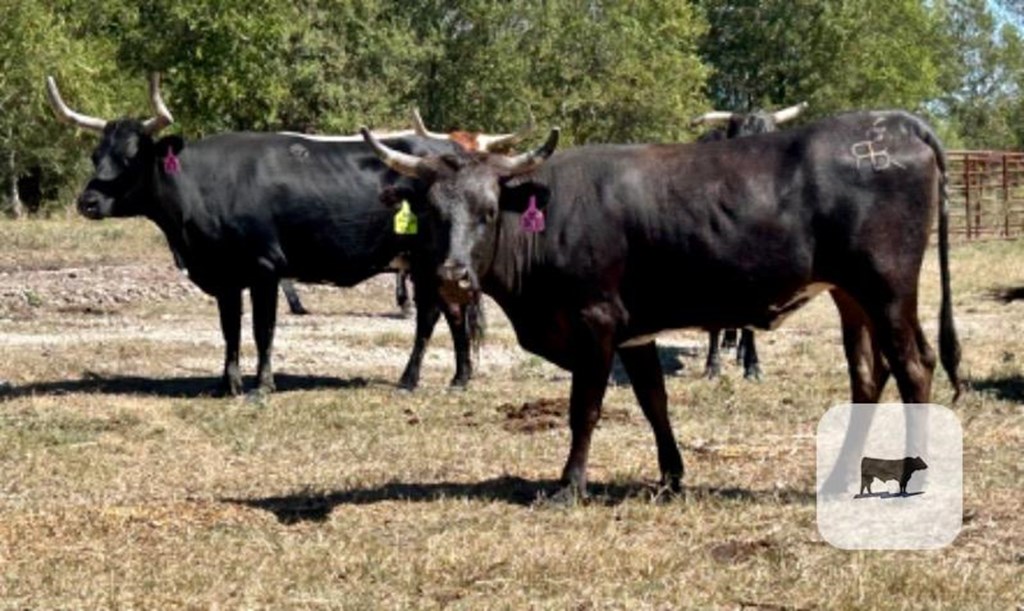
(402, 292)
(229, 307)
(904, 346)
(751, 364)
(713, 366)
(867, 368)
(264, 318)
(645, 374)
(292, 297)
(868, 374)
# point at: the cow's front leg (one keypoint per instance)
(229, 306)
(592, 364)
(264, 317)
(428, 310)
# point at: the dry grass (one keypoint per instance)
(123, 485)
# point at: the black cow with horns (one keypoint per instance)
(738, 125)
(750, 229)
(244, 210)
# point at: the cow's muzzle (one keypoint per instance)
(93, 205)
(458, 283)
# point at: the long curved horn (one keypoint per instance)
(163, 116)
(786, 114)
(497, 142)
(525, 162)
(403, 163)
(421, 129)
(715, 116)
(66, 114)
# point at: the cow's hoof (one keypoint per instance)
(458, 383)
(299, 311)
(566, 496)
(229, 387)
(266, 384)
(710, 373)
(753, 374)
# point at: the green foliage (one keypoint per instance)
(604, 70)
(982, 82)
(35, 42)
(836, 55)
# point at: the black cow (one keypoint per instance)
(750, 229)
(738, 125)
(885, 470)
(470, 141)
(243, 210)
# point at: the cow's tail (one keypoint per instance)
(949, 345)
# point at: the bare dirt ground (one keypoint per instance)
(124, 484)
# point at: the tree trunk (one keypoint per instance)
(16, 207)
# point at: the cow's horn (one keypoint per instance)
(715, 116)
(163, 116)
(66, 114)
(786, 114)
(520, 164)
(497, 142)
(403, 163)
(421, 129)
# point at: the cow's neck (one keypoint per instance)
(168, 210)
(515, 254)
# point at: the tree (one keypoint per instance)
(982, 81)
(836, 55)
(604, 71)
(36, 42)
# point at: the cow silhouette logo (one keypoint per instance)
(886, 470)
(864, 451)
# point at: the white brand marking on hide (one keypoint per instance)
(866, 150)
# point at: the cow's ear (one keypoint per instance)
(169, 143)
(391, 197)
(516, 194)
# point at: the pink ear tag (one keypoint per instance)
(172, 165)
(532, 220)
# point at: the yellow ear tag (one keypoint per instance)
(405, 220)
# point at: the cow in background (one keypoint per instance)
(469, 141)
(243, 210)
(738, 125)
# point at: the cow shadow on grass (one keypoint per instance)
(316, 507)
(887, 495)
(173, 387)
(1006, 387)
